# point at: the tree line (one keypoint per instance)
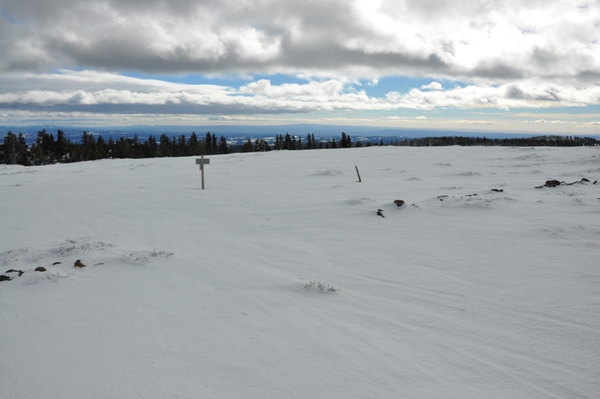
(535, 141)
(46, 149)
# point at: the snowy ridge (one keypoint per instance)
(461, 292)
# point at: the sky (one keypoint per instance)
(509, 66)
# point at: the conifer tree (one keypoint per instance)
(248, 147)
(10, 148)
(194, 145)
(208, 143)
(223, 146)
(101, 147)
(152, 146)
(164, 149)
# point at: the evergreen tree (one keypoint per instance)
(88, 147)
(289, 142)
(195, 148)
(223, 146)
(101, 148)
(43, 149)
(247, 147)
(164, 149)
(62, 146)
(151, 147)
(111, 147)
(345, 142)
(37, 155)
(22, 150)
(208, 144)
(10, 148)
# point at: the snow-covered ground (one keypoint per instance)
(462, 292)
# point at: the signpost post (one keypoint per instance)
(202, 162)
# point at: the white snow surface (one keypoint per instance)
(191, 293)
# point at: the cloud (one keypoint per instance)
(405, 119)
(473, 122)
(102, 92)
(432, 86)
(491, 43)
(554, 121)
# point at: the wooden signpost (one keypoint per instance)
(202, 162)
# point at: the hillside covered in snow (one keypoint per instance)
(280, 280)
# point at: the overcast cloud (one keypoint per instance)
(71, 55)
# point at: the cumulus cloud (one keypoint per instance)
(66, 57)
(405, 119)
(88, 91)
(555, 121)
(473, 122)
(492, 42)
(432, 86)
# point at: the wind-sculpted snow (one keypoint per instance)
(281, 280)
(58, 262)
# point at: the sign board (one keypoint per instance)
(202, 161)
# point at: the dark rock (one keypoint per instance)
(56, 263)
(16, 271)
(498, 190)
(399, 202)
(552, 183)
(79, 264)
(4, 278)
(40, 269)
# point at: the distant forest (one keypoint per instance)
(46, 149)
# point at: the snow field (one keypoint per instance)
(189, 293)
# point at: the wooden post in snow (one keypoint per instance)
(202, 162)
(358, 173)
